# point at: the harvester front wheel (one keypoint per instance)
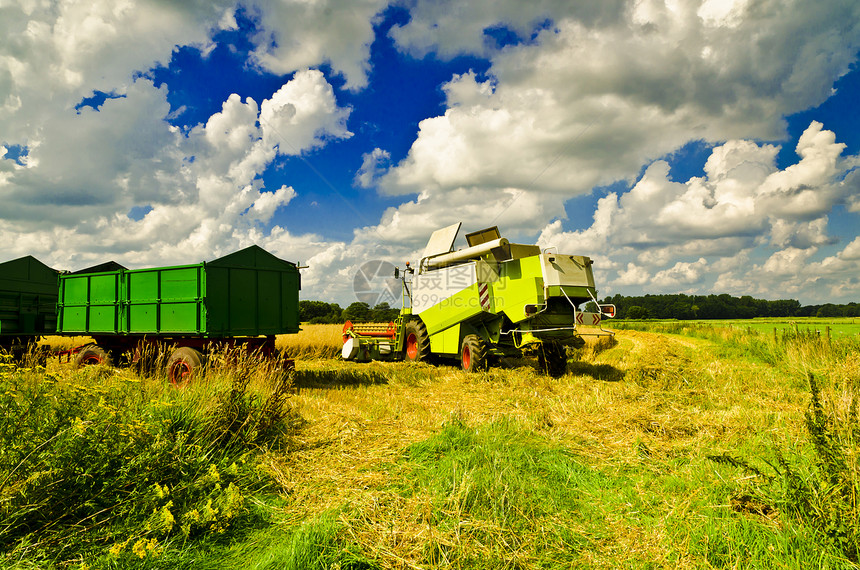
(416, 341)
(185, 363)
(552, 359)
(473, 354)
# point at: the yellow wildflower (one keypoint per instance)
(139, 548)
(117, 548)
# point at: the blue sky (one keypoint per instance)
(687, 146)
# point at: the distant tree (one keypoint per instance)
(358, 312)
(829, 310)
(591, 307)
(383, 313)
(636, 312)
(317, 312)
(681, 310)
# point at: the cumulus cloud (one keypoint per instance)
(373, 165)
(742, 204)
(132, 157)
(297, 34)
(602, 90)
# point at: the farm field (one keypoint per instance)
(692, 449)
(846, 326)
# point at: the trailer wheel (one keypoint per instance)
(91, 355)
(473, 354)
(185, 363)
(552, 359)
(416, 341)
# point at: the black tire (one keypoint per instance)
(416, 342)
(92, 355)
(473, 354)
(552, 359)
(185, 364)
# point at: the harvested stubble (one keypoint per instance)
(680, 400)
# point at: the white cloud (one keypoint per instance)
(298, 34)
(682, 273)
(633, 275)
(373, 165)
(851, 251)
(126, 155)
(55, 53)
(606, 89)
(302, 114)
(723, 219)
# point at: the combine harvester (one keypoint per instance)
(492, 300)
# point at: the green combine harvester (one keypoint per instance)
(491, 300)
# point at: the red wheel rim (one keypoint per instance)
(91, 360)
(412, 346)
(467, 357)
(180, 372)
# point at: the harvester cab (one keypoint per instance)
(491, 300)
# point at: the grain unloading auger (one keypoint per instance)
(491, 300)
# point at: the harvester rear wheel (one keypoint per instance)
(185, 363)
(91, 355)
(416, 341)
(552, 359)
(473, 354)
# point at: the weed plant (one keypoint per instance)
(817, 484)
(113, 471)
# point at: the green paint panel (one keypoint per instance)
(89, 302)
(452, 310)
(181, 283)
(74, 319)
(520, 283)
(180, 318)
(143, 317)
(446, 341)
(243, 311)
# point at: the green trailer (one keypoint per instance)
(28, 300)
(242, 299)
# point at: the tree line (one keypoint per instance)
(685, 307)
(320, 312)
(678, 306)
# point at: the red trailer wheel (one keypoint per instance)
(92, 355)
(184, 365)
